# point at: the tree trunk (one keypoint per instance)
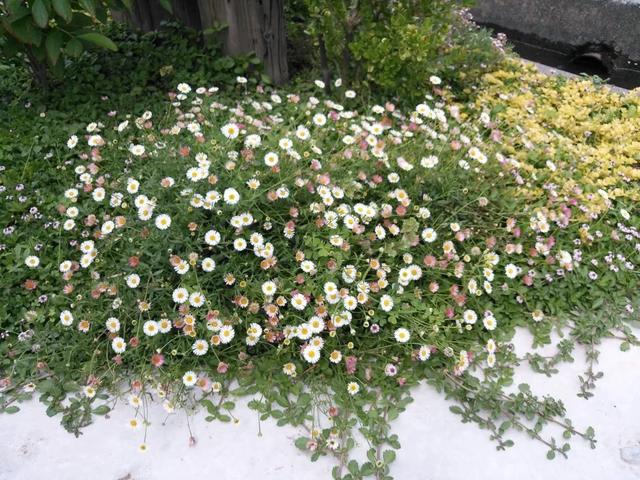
(39, 70)
(256, 26)
(324, 64)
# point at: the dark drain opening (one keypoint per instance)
(591, 60)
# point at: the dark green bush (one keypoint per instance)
(392, 48)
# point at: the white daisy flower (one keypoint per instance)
(386, 303)
(72, 142)
(353, 388)
(230, 130)
(113, 324)
(470, 317)
(164, 325)
(180, 295)
(189, 378)
(490, 322)
(302, 133)
(66, 318)
(285, 143)
(271, 159)
(133, 280)
(231, 196)
(212, 237)
(625, 214)
(184, 88)
(424, 353)
(298, 301)
(319, 119)
(98, 194)
(226, 334)
(87, 246)
(107, 227)
(196, 299)
(311, 354)
(335, 356)
(350, 302)
(511, 271)
(402, 335)
(89, 391)
(200, 347)
(118, 345)
(208, 264)
(71, 193)
(429, 235)
(491, 360)
(252, 141)
(137, 150)
(132, 185)
(65, 266)
(163, 221)
(32, 261)
(239, 244)
(150, 328)
(269, 288)
(316, 324)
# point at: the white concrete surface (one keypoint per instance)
(435, 444)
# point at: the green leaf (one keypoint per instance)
(367, 469)
(12, 409)
(335, 473)
(24, 31)
(99, 39)
(128, 4)
(551, 454)
(89, 6)
(371, 455)
(53, 44)
(266, 79)
(101, 410)
(166, 4)
(456, 409)
(63, 8)
(208, 404)
(40, 13)
(388, 456)
(392, 414)
(301, 443)
(13, 6)
(74, 48)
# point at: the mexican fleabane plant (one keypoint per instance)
(320, 256)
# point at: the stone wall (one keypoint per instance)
(575, 22)
(569, 27)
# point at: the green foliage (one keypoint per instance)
(93, 83)
(392, 48)
(437, 164)
(44, 31)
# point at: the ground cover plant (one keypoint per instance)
(318, 253)
(323, 259)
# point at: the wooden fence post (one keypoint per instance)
(256, 26)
